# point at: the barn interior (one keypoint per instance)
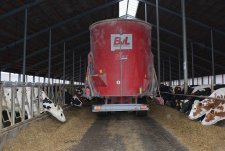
(53, 27)
(50, 39)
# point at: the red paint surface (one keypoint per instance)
(137, 70)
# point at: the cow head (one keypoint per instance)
(214, 115)
(43, 95)
(75, 101)
(79, 91)
(210, 118)
(197, 110)
(55, 110)
(185, 105)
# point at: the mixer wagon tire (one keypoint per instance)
(102, 114)
(142, 100)
(141, 113)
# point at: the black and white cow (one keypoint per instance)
(186, 104)
(45, 103)
(73, 100)
(178, 91)
(49, 106)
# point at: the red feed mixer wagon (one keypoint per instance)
(120, 65)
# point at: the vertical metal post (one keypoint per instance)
(85, 68)
(184, 47)
(202, 81)
(39, 79)
(170, 70)
(1, 98)
(146, 15)
(213, 80)
(222, 79)
(33, 79)
(208, 79)
(31, 101)
(23, 102)
(179, 67)
(80, 71)
(49, 54)
(64, 62)
(13, 105)
(163, 71)
(73, 66)
(10, 77)
(64, 72)
(127, 7)
(24, 44)
(192, 62)
(19, 77)
(158, 40)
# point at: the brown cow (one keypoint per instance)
(200, 108)
(215, 115)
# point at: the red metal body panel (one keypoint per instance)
(120, 61)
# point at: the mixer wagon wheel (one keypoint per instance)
(142, 100)
(141, 113)
(102, 114)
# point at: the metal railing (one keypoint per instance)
(197, 96)
(20, 101)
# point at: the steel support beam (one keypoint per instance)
(77, 69)
(59, 55)
(163, 70)
(158, 40)
(85, 53)
(170, 71)
(49, 55)
(175, 57)
(19, 77)
(46, 48)
(80, 70)
(222, 79)
(24, 44)
(73, 67)
(205, 69)
(179, 66)
(127, 8)
(146, 13)
(80, 16)
(194, 42)
(17, 10)
(64, 62)
(195, 55)
(179, 15)
(10, 77)
(185, 67)
(59, 64)
(192, 63)
(212, 53)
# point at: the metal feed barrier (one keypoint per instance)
(23, 99)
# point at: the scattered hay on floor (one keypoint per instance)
(191, 133)
(51, 135)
